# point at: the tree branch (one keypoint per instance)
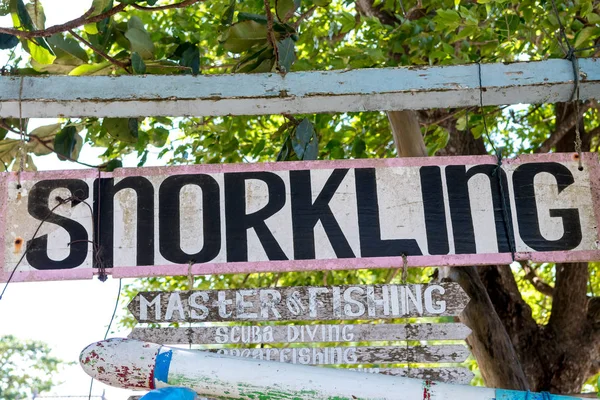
(87, 19)
(100, 52)
(570, 300)
(562, 129)
(40, 141)
(536, 281)
(593, 312)
(83, 20)
(182, 4)
(304, 16)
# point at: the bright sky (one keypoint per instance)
(72, 314)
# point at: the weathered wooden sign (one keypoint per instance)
(323, 333)
(354, 344)
(299, 216)
(299, 303)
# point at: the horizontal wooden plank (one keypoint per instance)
(297, 92)
(299, 216)
(459, 376)
(234, 334)
(354, 355)
(300, 303)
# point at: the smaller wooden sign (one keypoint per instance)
(267, 334)
(354, 302)
(354, 355)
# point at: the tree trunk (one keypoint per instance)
(490, 343)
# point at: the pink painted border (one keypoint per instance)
(306, 265)
(590, 161)
(292, 165)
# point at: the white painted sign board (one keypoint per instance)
(298, 216)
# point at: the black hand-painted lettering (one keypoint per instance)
(169, 218)
(369, 227)
(527, 210)
(104, 193)
(434, 208)
(457, 180)
(238, 222)
(38, 207)
(306, 214)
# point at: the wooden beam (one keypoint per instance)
(384, 89)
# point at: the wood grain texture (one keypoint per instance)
(324, 333)
(354, 355)
(402, 88)
(359, 302)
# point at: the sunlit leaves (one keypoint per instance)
(137, 63)
(27, 368)
(285, 9)
(139, 39)
(243, 36)
(287, 54)
(188, 55)
(304, 141)
(67, 143)
(123, 129)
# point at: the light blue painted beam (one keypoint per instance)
(383, 89)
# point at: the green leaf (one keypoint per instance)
(91, 29)
(46, 130)
(312, 150)
(8, 41)
(593, 18)
(8, 150)
(227, 18)
(158, 136)
(140, 42)
(90, 69)
(40, 54)
(466, 32)
(43, 134)
(69, 46)
(36, 13)
(112, 165)
(447, 19)
(322, 3)
(191, 58)
(23, 16)
(243, 36)
(123, 129)
(302, 138)
(584, 35)
(358, 148)
(263, 66)
(28, 164)
(285, 9)
(65, 142)
(135, 23)
(137, 63)
(287, 54)
(100, 6)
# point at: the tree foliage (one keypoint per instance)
(26, 368)
(217, 36)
